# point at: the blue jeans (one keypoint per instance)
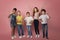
(45, 30)
(29, 30)
(20, 30)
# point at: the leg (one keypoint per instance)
(43, 29)
(19, 30)
(35, 26)
(46, 27)
(29, 30)
(22, 30)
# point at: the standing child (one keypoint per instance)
(19, 20)
(28, 19)
(36, 21)
(44, 19)
(12, 17)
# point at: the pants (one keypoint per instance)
(20, 30)
(45, 30)
(29, 30)
(36, 25)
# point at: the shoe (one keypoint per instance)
(38, 36)
(20, 36)
(23, 35)
(28, 36)
(12, 37)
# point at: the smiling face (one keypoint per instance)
(18, 13)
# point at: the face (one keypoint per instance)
(35, 10)
(28, 15)
(13, 11)
(43, 12)
(19, 13)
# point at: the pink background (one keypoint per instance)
(52, 7)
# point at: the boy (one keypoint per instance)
(28, 19)
(12, 17)
(44, 21)
(19, 20)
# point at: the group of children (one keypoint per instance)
(16, 19)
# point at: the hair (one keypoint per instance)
(27, 13)
(15, 9)
(43, 10)
(19, 11)
(34, 10)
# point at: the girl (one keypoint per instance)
(44, 19)
(12, 17)
(28, 19)
(36, 21)
(19, 20)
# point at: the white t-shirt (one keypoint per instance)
(28, 20)
(44, 18)
(36, 15)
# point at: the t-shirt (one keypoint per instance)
(36, 15)
(19, 19)
(12, 18)
(44, 18)
(28, 20)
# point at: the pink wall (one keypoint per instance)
(52, 7)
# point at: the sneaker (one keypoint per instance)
(12, 37)
(20, 36)
(23, 35)
(38, 36)
(28, 36)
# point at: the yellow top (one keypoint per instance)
(19, 19)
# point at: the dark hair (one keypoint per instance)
(27, 13)
(34, 10)
(15, 9)
(43, 10)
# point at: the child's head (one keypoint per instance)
(18, 12)
(28, 14)
(14, 10)
(43, 11)
(35, 9)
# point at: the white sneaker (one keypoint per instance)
(23, 35)
(28, 36)
(20, 36)
(36, 36)
(12, 37)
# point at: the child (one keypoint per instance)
(43, 19)
(12, 17)
(36, 21)
(19, 20)
(28, 19)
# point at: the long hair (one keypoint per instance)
(37, 10)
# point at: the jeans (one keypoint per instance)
(20, 30)
(45, 30)
(36, 25)
(29, 30)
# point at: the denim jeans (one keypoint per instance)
(29, 30)
(20, 30)
(45, 30)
